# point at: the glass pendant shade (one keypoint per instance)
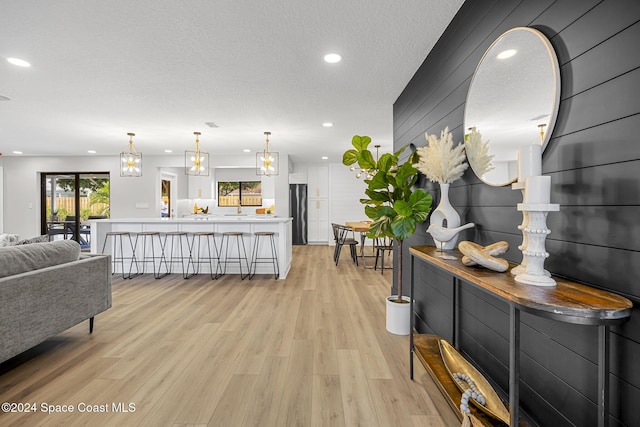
(131, 160)
(267, 162)
(196, 162)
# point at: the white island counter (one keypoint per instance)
(247, 224)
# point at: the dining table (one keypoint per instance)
(362, 227)
(66, 230)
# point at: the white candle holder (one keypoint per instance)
(534, 254)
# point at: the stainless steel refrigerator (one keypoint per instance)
(298, 211)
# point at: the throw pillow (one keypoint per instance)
(8, 239)
(37, 239)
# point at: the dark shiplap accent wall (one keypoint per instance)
(593, 159)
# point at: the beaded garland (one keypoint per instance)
(471, 392)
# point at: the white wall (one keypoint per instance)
(345, 194)
(130, 197)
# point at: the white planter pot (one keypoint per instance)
(398, 315)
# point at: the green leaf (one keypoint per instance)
(387, 211)
(377, 196)
(349, 157)
(379, 182)
(420, 216)
(400, 151)
(380, 227)
(420, 200)
(385, 162)
(403, 227)
(402, 208)
(366, 160)
(414, 158)
(360, 142)
(371, 212)
(405, 174)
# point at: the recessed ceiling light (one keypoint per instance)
(332, 58)
(327, 124)
(325, 158)
(168, 151)
(246, 150)
(19, 62)
(506, 54)
(17, 152)
(91, 151)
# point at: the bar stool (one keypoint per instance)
(199, 258)
(147, 240)
(226, 236)
(172, 257)
(273, 259)
(116, 238)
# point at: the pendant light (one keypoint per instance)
(267, 162)
(131, 160)
(196, 162)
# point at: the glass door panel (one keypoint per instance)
(69, 200)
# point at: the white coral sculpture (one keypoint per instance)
(478, 152)
(440, 161)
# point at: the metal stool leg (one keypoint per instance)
(255, 259)
(197, 259)
(116, 239)
(146, 259)
(227, 259)
(172, 259)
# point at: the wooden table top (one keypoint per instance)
(567, 301)
(360, 226)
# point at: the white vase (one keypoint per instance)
(398, 315)
(446, 216)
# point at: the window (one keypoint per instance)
(246, 193)
(68, 200)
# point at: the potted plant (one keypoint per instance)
(395, 208)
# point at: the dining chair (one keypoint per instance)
(344, 236)
(382, 245)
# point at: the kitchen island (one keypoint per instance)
(247, 224)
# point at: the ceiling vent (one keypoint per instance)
(211, 124)
(4, 98)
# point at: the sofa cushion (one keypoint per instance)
(23, 258)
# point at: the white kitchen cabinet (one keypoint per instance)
(318, 182)
(318, 205)
(318, 221)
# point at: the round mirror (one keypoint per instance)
(512, 101)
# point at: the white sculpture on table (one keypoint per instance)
(443, 235)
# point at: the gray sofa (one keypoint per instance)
(46, 288)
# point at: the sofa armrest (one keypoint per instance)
(41, 303)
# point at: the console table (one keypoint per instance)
(566, 302)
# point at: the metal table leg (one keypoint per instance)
(412, 320)
(603, 376)
(514, 365)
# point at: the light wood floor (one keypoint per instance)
(311, 350)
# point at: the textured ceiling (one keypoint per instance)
(163, 68)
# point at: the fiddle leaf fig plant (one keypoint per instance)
(392, 203)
